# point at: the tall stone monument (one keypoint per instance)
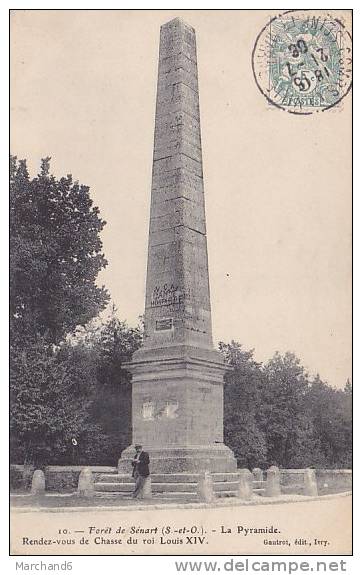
(177, 380)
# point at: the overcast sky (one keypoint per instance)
(277, 186)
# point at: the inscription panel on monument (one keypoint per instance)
(164, 324)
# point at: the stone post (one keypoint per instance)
(272, 482)
(27, 475)
(205, 488)
(147, 489)
(86, 483)
(38, 482)
(257, 474)
(310, 483)
(245, 485)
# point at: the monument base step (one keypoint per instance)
(166, 485)
(164, 477)
(216, 458)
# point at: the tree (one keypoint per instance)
(78, 389)
(275, 415)
(55, 255)
(331, 412)
(348, 387)
(291, 436)
(111, 343)
(52, 391)
(243, 397)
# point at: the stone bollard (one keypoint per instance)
(272, 482)
(147, 489)
(257, 474)
(205, 488)
(27, 476)
(245, 484)
(38, 482)
(310, 483)
(86, 483)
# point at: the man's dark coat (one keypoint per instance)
(142, 465)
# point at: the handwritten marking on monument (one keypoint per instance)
(166, 295)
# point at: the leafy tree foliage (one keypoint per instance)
(243, 392)
(55, 257)
(75, 390)
(111, 343)
(276, 415)
(55, 254)
(288, 426)
(52, 391)
(331, 413)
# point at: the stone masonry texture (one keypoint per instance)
(177, 289)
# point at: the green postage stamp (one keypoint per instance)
(302, 60)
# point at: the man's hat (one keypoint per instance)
(138, 446)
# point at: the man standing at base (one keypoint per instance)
(141, 471)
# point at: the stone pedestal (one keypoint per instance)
(177, 408)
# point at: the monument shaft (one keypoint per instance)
(177, 288)
(177, 380)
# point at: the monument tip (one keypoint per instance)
(177, 22)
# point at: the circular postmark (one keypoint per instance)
(302, 61)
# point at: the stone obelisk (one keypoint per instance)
(177, 384)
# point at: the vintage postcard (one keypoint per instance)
(180, 315)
